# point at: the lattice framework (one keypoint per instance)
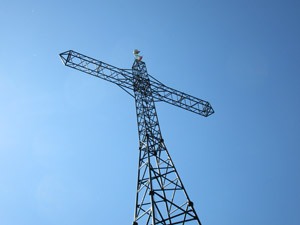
(161, 197)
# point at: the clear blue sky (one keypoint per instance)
(68, 141)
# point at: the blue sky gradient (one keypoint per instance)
(68, 141)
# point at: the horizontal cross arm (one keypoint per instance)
(169, 95)
(99, 69)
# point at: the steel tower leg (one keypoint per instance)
(161, 197)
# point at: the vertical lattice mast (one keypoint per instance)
(161, 197)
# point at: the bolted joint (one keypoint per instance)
(155, 153)
(191, 204)
(151, 193)
(162, 143)
(134, 223)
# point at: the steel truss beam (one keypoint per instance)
(124, 79)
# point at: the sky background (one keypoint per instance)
(69, 143)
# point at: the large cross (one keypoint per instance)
(161, 197)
